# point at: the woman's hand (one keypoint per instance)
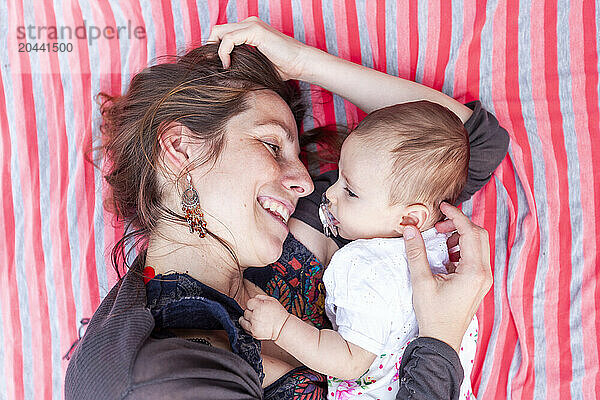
(286, 53)
(264, 317)
(445, 304)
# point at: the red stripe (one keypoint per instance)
(11, 320)
(522, 290)
(352, 38)
(380, 60)
(484, 215)
(590, 155)
(403, 41)
(439, 36)
(280, 13)
(33, 257)
(218, 9)
(164, 30)
(474, 55)
(413, 37)
(191, 24)
(352, 53)
(462, 59)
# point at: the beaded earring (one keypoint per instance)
(190, 203)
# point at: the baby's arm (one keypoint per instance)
(324, 351)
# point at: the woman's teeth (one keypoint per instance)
(276, 208)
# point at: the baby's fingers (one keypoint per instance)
(245, 324)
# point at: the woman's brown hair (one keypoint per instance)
(193, 90)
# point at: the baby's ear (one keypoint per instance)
(415, 215)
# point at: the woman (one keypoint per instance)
(222, 146)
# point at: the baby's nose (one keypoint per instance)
(328, 195)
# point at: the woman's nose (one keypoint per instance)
(298, 180)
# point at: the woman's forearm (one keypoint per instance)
(367, 88)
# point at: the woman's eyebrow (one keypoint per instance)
(279, 124)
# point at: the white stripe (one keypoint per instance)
(486, 57)
(391, 37)
(514, 367)
(231, 11)
(146, 8)
(366, 46)
(298, 20)
(566, 107)
(204, 19)
(331, 39)
(264, 11)
(456, 40)
(422, 25)
(180, 39)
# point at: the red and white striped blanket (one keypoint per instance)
(534, 64)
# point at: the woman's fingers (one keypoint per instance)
(285, 52)
(445, 226)
(474, 246)
(416, 254)
(234, 34)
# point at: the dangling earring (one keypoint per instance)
(190, 203)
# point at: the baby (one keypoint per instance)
(395, 169)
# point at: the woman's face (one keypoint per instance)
(253, 188)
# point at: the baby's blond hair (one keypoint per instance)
(429, 149)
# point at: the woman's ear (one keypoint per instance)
(415, 215)
(175, 148)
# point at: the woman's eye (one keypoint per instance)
(275, 149)
(350, 192)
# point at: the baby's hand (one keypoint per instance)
(264, 317)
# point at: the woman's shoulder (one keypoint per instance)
(101, 362)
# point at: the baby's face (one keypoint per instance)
(360, 197)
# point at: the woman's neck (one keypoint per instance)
(206, 261)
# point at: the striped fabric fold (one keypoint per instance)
(533, 64)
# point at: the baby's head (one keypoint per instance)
(396, 168)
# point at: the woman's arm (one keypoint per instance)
(365, 87)
(324, 351)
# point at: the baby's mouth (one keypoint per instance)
(327, 219)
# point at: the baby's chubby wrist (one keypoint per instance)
(264, 317)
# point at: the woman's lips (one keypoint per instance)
(276, 207)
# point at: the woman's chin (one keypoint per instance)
(272, 250)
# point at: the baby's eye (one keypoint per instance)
(275, 149)
(350, 192)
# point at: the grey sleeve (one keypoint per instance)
(178, 369)
(430, 369)
(488, 146)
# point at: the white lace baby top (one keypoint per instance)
(369, 302)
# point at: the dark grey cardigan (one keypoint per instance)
(117, 359)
